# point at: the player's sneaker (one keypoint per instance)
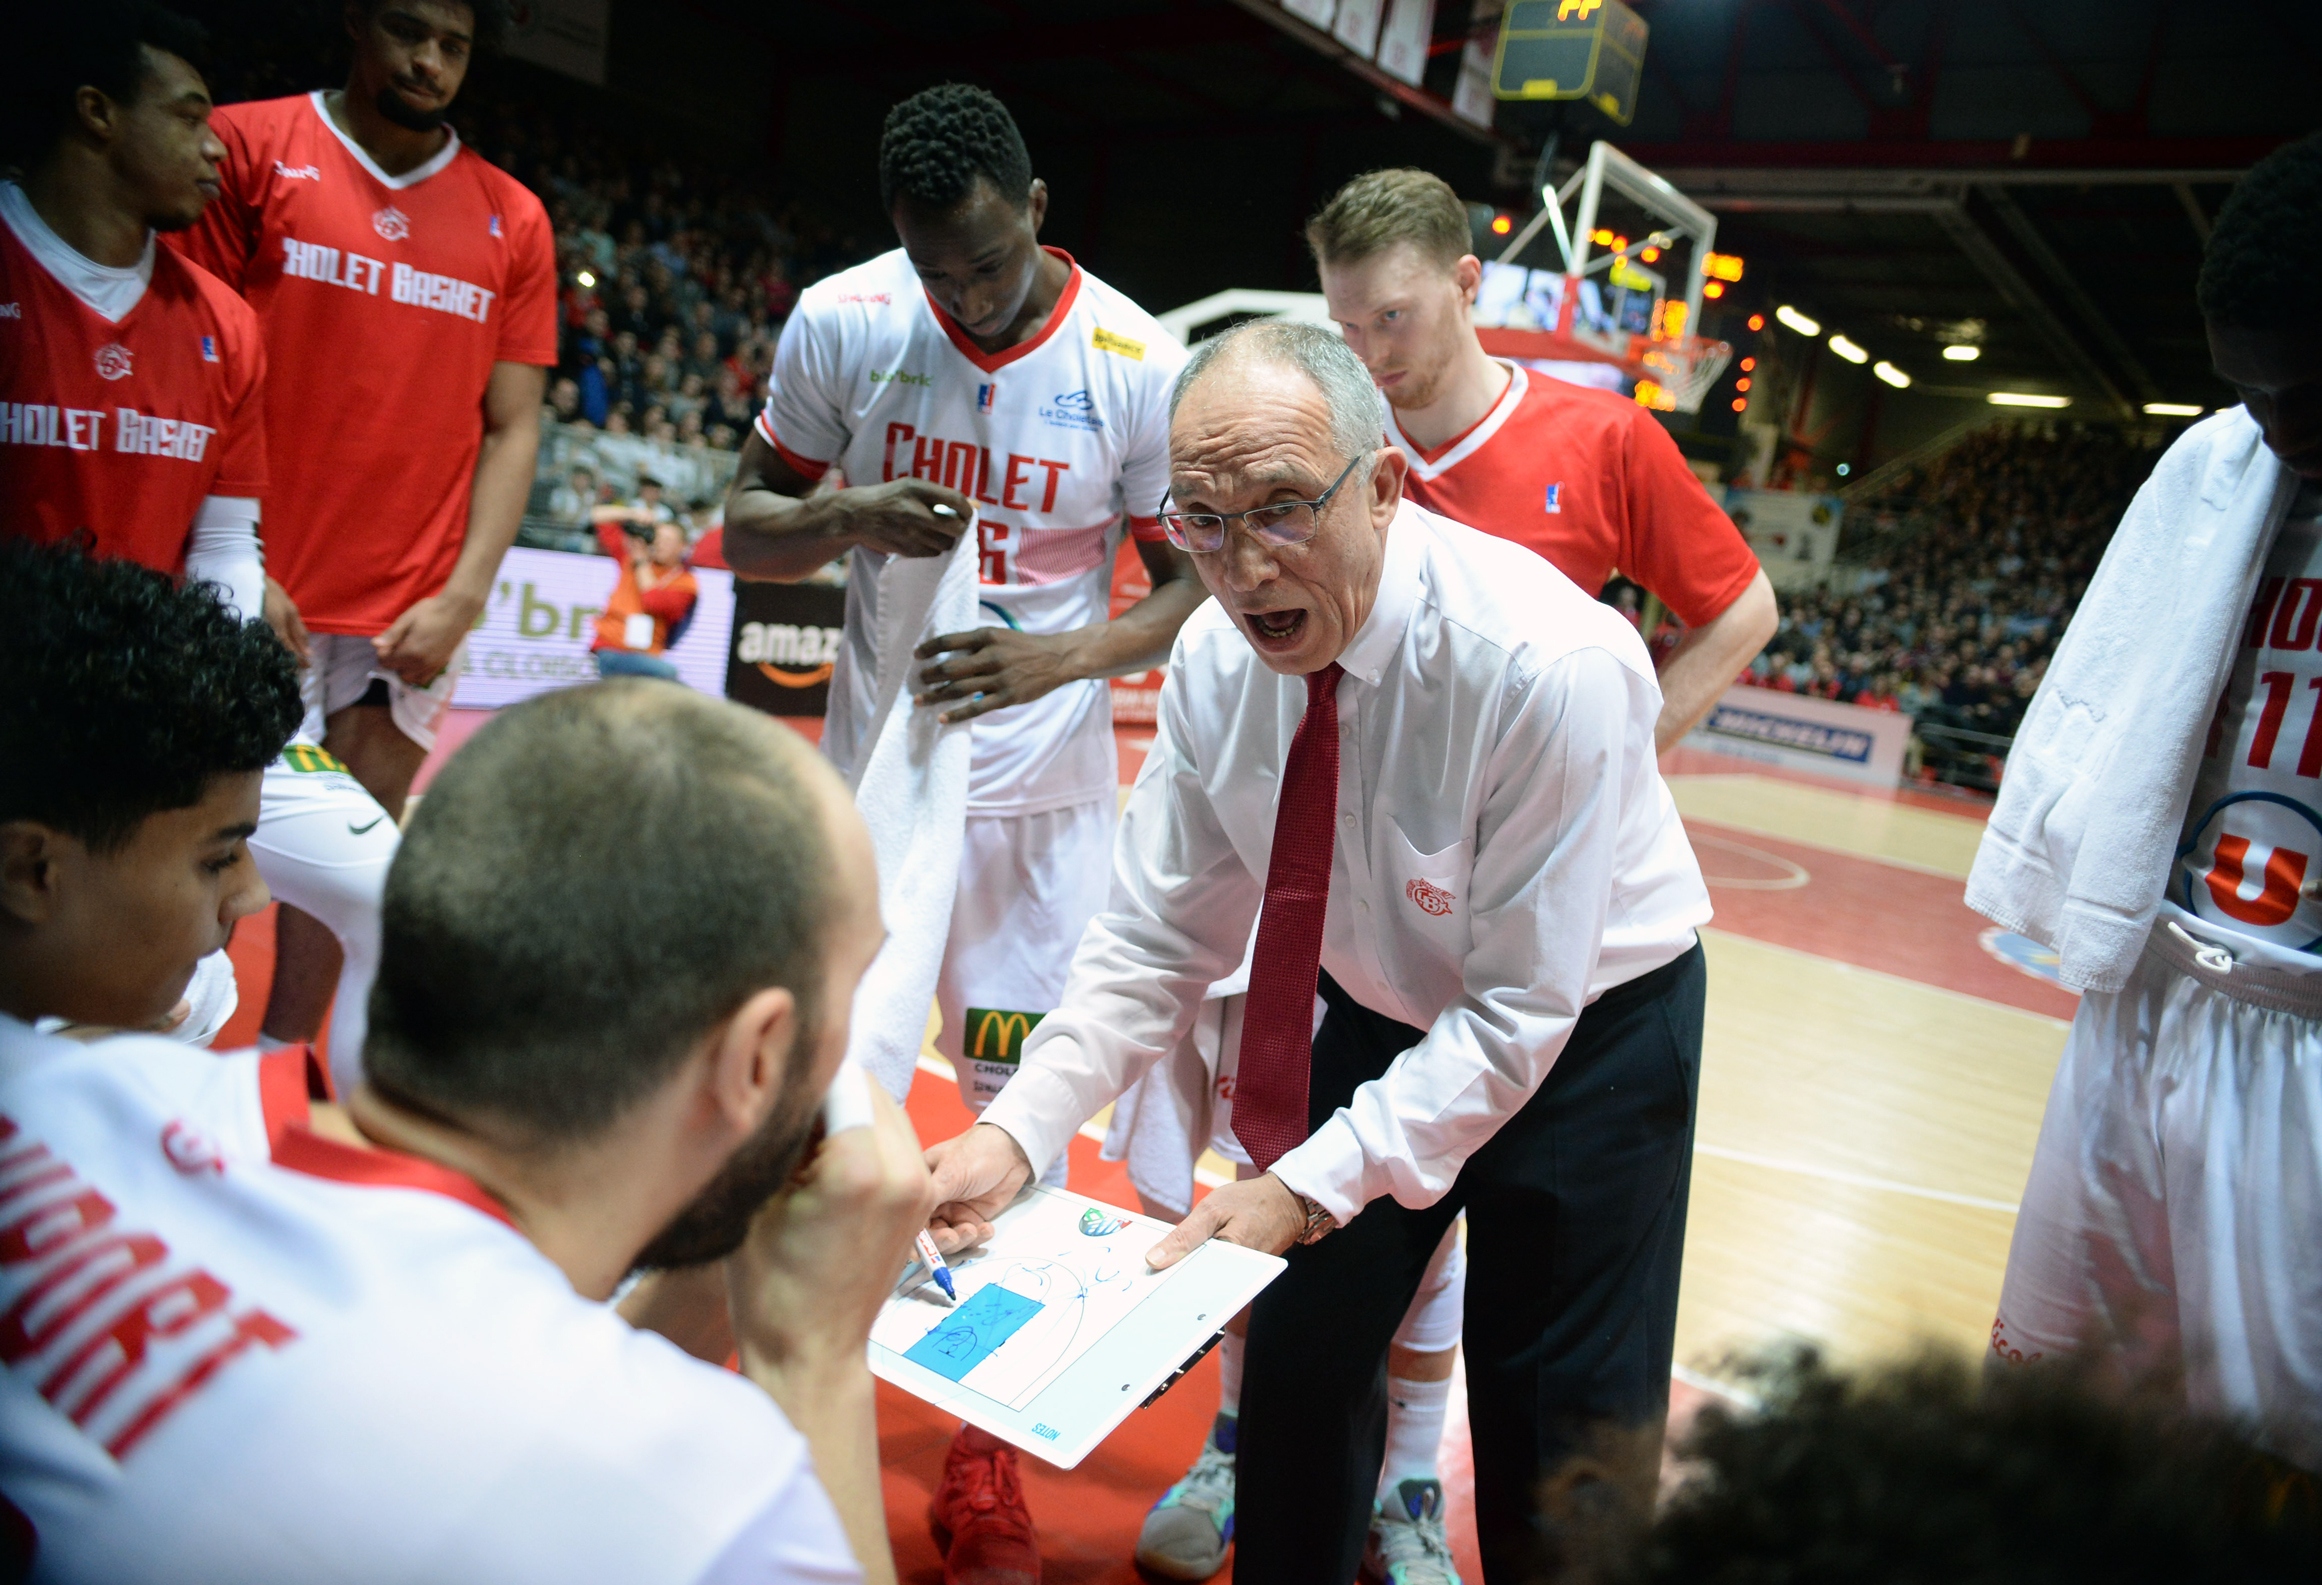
(1186, 1535)
(978, 1515)
(1408, 1544)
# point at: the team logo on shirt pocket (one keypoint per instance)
(113, 361)
(391, 223)
(1434, 884)
(1073, 410)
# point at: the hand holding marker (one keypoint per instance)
(847, 1104)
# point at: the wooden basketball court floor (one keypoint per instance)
(1872, 1080)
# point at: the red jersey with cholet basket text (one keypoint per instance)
(386, 301)
(120, 428)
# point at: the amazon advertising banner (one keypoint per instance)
(542, 617)
(784, 637)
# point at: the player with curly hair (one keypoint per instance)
(1919, 1470)
(973, 380)
(155, 374)
(407, 292)
(2160, 825)
(138, 721)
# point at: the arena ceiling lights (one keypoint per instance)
(1851, 351)
(1962, 352)
(1892, 375)
(2174, 410)
(2026, 399)
(1801, 323)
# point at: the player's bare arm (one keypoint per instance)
(994, 667)
(1701, 667)
(779, 528)
(419, 643)
(804, 1296)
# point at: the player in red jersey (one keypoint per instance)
(1590, 481)
(407, 290)
(131, 384)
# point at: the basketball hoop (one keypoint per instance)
(1674, 376)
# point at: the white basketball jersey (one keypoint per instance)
(236, 1350)
(2249, 857)
(1059, 441)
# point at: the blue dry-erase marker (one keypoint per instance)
(935, 1266)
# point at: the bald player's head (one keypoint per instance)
(590, 890)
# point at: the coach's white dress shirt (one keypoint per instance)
(1506, 853)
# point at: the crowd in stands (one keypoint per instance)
(1988, 549)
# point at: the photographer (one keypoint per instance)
(653, 598)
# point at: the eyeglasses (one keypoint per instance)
(1278, 523)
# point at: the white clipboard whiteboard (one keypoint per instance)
(1060, 1330)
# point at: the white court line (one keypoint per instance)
(1857, 1179)
(1841, 966)
(941, 1069)
(1715, 1388)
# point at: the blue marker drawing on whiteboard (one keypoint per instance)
(966, 1337)
(1096, 1224)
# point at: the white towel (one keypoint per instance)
(2078, 848)
(911, 788)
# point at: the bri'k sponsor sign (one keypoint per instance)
(542, 617)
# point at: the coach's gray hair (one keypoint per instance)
(1357, 421)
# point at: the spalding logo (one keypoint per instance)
(1431, 899)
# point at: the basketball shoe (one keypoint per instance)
(978, 1515)
(1408, 1544)
(1186, 1535)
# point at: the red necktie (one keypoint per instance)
(1278, 1020)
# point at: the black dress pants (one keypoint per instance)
(1575, 1232)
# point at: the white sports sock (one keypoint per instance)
(1229, 1373)
(1414, 1431)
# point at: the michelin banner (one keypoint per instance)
(542, 617)
(1799, 732)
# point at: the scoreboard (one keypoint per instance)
(1572, 49)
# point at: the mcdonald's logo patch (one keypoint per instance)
(995, 1034)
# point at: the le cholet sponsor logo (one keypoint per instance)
(1073, 410)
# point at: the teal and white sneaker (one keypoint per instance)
(1408, 1544)
(1187, 1533)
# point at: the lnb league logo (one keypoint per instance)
(2250, 866)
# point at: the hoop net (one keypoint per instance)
(1674, 376)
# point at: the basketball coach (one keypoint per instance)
(1423, 759)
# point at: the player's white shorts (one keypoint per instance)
(1028, 886)
(2174, 1211)
(323, 845)
(344, 667)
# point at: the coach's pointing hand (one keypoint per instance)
(1256, 1213)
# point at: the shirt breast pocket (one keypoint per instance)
(1430, 889)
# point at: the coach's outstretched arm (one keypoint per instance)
(778, 527)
